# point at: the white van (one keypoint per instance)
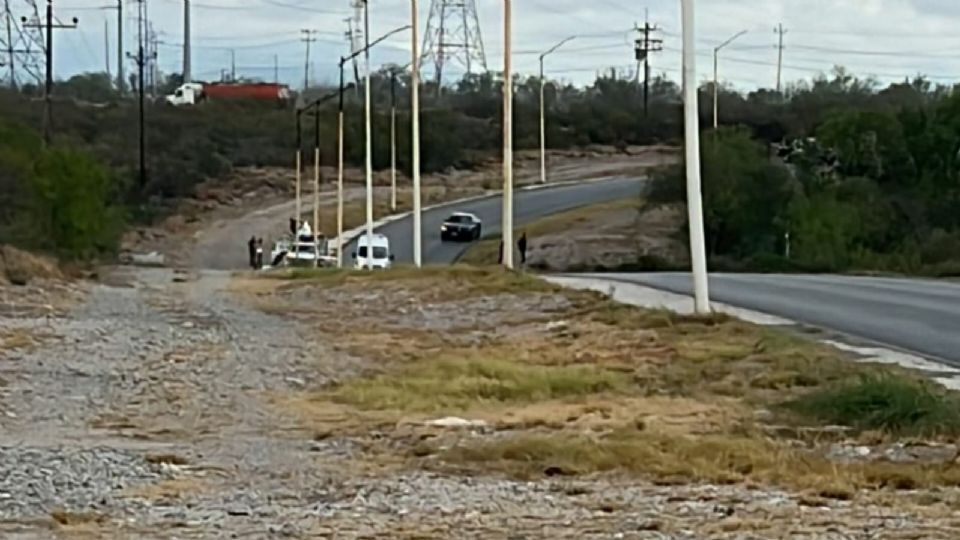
(378, 247)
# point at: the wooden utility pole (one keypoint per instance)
(642, 48)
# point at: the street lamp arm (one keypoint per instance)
(344, 59)
(729, 41)
(557, 46)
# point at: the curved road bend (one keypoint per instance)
(914, 315)
(529, 206)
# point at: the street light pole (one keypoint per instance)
(368, 135)
(299, 161)
(340, 171)
(343, 60)
(692, 135)
(507, 218)
(393, 141)
(543, 121)
(716, 77)
(415, 121)
(316, 188)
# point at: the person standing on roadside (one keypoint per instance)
(252, 252)
(522, 246)
(259, 263)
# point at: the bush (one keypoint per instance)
(892, 403)
(66, 201)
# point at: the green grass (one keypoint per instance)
(888, 402)
(457, 385)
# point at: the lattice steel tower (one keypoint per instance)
(453, 37)
(21, 44)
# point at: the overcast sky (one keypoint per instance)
(890, 39)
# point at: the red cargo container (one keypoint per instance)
(262, 91)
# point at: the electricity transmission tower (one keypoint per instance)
(453, 37)
(21, 44)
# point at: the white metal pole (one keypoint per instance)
(543, 129)
(692, 136)
(393, 158)
(368, 135)
(716, 76)
(507, 221)
(543, 113)
(340, 186)
(415, 116)
(297, 206)
(316, 203)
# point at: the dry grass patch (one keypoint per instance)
(173, 489)
(455, 385)
(454, 281)
(671, 458)
(64, 518)
(599, 387)
(21, 339)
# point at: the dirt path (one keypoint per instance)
(148, 403)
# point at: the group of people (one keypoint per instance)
(255, 250)
(521, 247)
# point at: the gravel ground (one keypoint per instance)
(143, 413)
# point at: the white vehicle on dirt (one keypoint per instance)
(305, 250)
(373, 252)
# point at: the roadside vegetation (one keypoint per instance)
(549, 382)
(875, 189)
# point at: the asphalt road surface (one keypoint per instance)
(529, 206)
(913, 315)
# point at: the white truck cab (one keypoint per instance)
(373, 252)
(186, 94)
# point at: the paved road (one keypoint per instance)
(914, 315)
(529, 206)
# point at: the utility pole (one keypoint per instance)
(48, 85)
(692, 138)
(415, 135)
(393, 141)
(152, 48)
(140, 59)
(543, 121)
(299, 165)
(233, 65)
(316, 188)
(121, 84)
(368, 122)
(642, 49)
(340, 171)
(779, 30)
(307, 36)
(106, 47)
(187, 75)
(276, 69)
(716, 77)
(507, 212)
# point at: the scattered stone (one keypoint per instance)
(455, 422)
